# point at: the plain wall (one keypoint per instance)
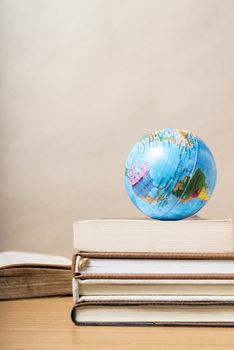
(81, 82)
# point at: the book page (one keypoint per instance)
(18, 258)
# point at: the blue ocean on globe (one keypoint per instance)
(170, 174)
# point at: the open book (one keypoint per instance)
(29, 275)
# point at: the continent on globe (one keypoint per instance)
(196, 187)
(170, 174)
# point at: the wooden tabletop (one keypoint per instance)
(45, 324)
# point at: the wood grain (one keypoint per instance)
(45, 324)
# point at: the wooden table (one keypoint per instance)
(45, 324)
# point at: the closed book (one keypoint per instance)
(149, 236)
(30, 275)
(154, 287)
(154, 313)
(154, 266)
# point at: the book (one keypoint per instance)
(155, 268)
(154, 287)
(136, 236)
(29, 275)
(154, 313)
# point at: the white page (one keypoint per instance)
(158, 266)
(13, 257)
(160, 298)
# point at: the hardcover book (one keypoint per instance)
(154, 313)
(191, 235)
(150, 287)
(194, 266)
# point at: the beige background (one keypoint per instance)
(82, 81)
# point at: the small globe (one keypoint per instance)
(170, 174)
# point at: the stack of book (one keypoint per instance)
(146, 272)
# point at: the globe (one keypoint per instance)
(170, 174)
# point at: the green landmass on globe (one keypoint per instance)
(194, 187)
